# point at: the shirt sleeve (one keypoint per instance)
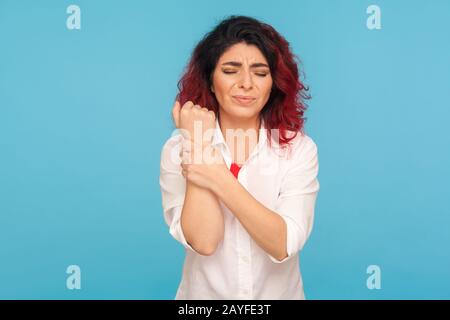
(173, 188)
(297, 197)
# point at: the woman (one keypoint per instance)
(243, 210)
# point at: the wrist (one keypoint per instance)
(221, 180)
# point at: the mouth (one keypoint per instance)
(244, 100)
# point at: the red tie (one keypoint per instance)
(235, 169)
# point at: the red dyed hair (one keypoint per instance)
(285, 107)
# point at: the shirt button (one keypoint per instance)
(245, 259)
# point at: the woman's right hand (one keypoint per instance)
(192, 116)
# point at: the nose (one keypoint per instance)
(246, 81)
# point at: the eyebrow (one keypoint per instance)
(238, 64)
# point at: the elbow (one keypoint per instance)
(206, 246)
(205, 249)
(282, 256)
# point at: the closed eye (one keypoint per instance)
(260, 74)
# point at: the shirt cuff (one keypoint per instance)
(290, 233)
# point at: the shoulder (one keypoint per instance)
(304, 161)
(300, 147)
(305, 155)
(303, 143)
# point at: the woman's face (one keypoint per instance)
(242, 81)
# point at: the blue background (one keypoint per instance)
(84, 115)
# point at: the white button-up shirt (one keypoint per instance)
(285, 183)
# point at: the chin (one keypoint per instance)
(243, 112)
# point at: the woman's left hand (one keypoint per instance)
(202, 165)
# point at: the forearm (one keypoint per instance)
(202, 219)
(266, 227)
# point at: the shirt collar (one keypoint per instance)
(218, 136)
(219, 139)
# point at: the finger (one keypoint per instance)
(185, 168)
(185, 158)
(176, 113)
(188, 105)
(212, 114)
(184, 154)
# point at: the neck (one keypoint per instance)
(246, 131)
(240, 124)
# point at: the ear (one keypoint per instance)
(212, 88)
